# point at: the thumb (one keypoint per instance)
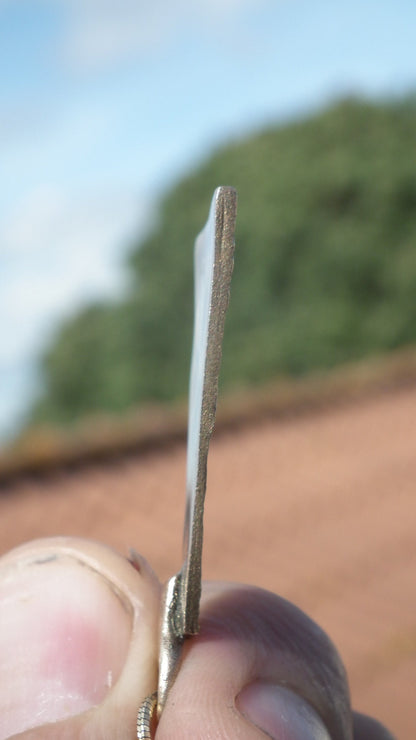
(78, 641)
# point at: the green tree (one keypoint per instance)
(325, 268)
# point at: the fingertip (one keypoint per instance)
(274, 709)
(250, 636)
(78, 627)
(367, 728)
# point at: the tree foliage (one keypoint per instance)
(325, 268)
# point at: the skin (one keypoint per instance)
(93, 616)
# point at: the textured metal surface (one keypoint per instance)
(214, 259)
(213, 266)
(171, 641)
(145, 717)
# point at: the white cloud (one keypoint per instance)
(57, 250)
(32, 222)
(56, 253)
(101, 31)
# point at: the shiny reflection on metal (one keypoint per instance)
(213, 266)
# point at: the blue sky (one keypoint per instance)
(104, 104)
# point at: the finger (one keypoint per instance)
(259, 667)
(367, 728)
(78, 641)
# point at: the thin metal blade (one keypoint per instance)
(214, 259)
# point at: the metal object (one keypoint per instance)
(214, 258)
(145, 717)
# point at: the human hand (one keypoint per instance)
(79, 644)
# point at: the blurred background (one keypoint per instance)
(117, 121)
